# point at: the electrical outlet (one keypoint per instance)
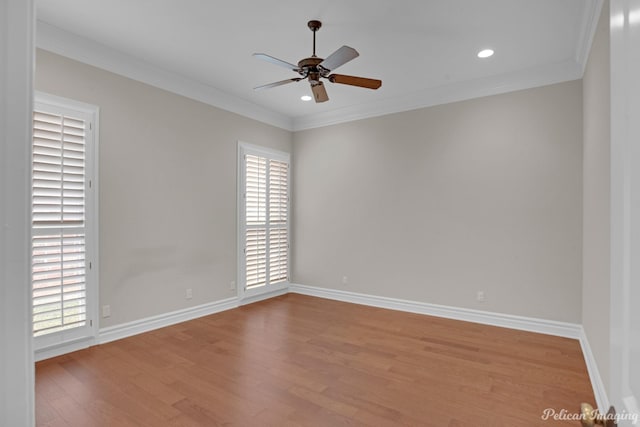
(480, 296)
(106, 311)
(345, 280)
(232, 285)
(189, 293)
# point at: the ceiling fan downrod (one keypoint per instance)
(314, 26)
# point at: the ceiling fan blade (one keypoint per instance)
(319, 92)
(355, 81)
(280, 83)
(276, 61)
(339, 57)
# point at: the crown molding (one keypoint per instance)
(590, 19)
(70, 45)
(470, 89)
(61, 42)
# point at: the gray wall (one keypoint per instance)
(597, 197)
(436, 204)
(167, 189)
(429, 205)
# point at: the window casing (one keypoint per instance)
(264, 214)
(63, 221)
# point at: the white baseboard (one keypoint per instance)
(599, 391)
(631, 406)
(549, 327)
(63, 348)
(263, 296)
(167, 319)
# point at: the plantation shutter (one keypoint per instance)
(265, 231)
(59, 271)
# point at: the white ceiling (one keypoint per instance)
(424, 51)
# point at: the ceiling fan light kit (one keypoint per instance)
(314, 69)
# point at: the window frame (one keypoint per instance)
(267, 290)
(76, 338)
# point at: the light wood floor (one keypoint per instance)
(298, 360)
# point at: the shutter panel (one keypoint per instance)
(278, 192)
(256, 211)
(73, 179)
(278, 255)
(256, 190)
(256, 257)
(278, 219)
(58, 223)
(58, 171)
(47, 170)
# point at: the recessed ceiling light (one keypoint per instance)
(306, 98)
(485, 53)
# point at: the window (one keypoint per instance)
(263, 237)
(63, 220)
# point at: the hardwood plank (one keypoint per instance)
(302, 361)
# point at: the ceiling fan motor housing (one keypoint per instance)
(310, 67)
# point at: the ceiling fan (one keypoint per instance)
(315, 68)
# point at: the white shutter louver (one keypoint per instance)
(266, 221)
(58, 223)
